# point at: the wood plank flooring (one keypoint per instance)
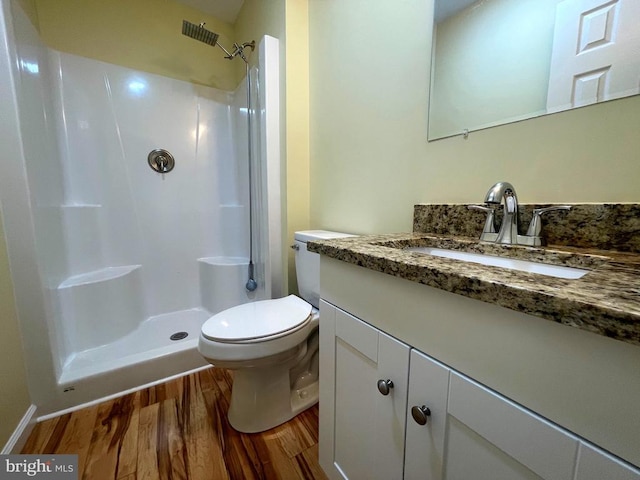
(179, 430)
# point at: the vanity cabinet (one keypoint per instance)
(435, 422)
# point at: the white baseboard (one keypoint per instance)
(20, 435)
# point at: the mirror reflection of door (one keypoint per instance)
(492, 59)
(596, 53)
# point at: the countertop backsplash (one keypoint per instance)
(606, 226)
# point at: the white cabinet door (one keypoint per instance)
(474, 433)
(428, 389)
(365, 437)
(492, 438)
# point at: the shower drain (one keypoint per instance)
(178, 336)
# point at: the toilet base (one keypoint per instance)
(262, 399)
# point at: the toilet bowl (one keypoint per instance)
(262, 342)
(272, 346)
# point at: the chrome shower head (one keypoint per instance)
(198, 32)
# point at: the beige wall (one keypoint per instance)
(14, 399)
(287, 20)
(142, 34)
(371, 162)
(297, 81)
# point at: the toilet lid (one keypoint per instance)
(255, 320)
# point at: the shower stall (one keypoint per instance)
(127, 213)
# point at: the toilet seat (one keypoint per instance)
(258, 321)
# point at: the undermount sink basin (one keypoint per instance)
(505, 262)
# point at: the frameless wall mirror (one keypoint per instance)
(501, 61)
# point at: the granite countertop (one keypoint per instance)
(605, 301)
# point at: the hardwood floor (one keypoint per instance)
(179, 430)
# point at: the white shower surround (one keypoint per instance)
(133, 236)
(127, 256)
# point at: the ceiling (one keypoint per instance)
(446, 8)
(226, 10)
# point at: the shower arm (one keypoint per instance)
(228, 56)
(238, 50)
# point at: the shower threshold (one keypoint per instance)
(144, 355)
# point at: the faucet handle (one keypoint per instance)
(489, 224)
(535, 227)
(482, 207)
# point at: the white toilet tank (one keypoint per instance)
(308, 263)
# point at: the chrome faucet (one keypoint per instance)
(508, 234)
(509, 229)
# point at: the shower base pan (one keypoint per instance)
(145, 355)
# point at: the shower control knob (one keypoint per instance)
(420, 414)
(385, 386)
(161, 161)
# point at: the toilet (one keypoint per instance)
(272, 346)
